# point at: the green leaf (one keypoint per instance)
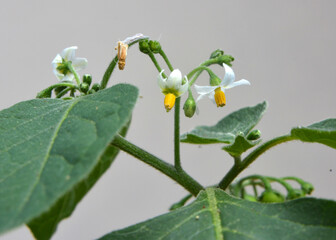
(44, 226)
(47, 146)
(215, 215)
(322, 132)
(232, 129)
(240, 145)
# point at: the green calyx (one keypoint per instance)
(96, 87)
(214, 80)
(154, 46)
(84, 87)
(144, 46)
(295, 193)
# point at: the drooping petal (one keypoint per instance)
(68, 77)
(57, 60)
(134, 38)
(69, 53)
(175, 79)
(59, 75)
(79, 63)
(229, 76)
(183, 89)
(161, 81)
(237, 83)
(204, 89)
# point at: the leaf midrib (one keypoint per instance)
(55, 134)
(215, 214)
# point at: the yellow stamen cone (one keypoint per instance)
(220, 97)
(169, 101)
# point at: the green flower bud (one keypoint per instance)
(307, 188)
(254, 135)
(189, 106)
(96, 87)
(296, 193)
(271, 196)
(44, 94)
(57, 90)
(227, 59)
(154, 46)
(84, 87)
(216, 53)
(144, 46)
(87, 78)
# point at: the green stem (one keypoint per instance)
(164, 56)
(152, 57)
(282, 182)
(74, 73)
(181, 177)
(236, 169)
(63, 92)
(177, 160)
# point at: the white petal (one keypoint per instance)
(174, 79)
(201, 97)
(134, 38)
(183, 88)
(59, 75)
(238, 83)
(161, 81)
(229, 76)
(79, 63)
(204, 89)
(68, 78)
(212, 97)
(57, 59)
(69, 53)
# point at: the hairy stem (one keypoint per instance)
(180, 177)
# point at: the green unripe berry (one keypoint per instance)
(189, 107)
(254, 135)
(154, 46)
(96, 87)
(87, 78)
(250, 198)
(84, 87)
(144, 46)
(271, 197)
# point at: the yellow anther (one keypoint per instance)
(122, 53)
(169, 101)
(220, 97)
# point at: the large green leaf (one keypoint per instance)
(215, 215)
(322, 132)
(232, 129)
(44, 226)
(47, 146)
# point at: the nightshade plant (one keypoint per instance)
(53, 149)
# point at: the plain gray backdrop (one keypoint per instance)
(286, 49)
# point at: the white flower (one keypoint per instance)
(216, 93)
(60, 64)
(172, 87)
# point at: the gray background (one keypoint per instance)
(286, 49)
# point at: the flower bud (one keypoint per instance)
(307, 187)
(296, 193)
(96, 87)
(227, 59)
(271, 196)
(216, 53)
(254, 135)
(189, 106)
(144, 46)
(154, 46)
(91, 91)
(84, 87)
(87, 78)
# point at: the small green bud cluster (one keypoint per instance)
(146, 46)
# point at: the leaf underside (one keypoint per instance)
(215, 215)
(48, 146)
